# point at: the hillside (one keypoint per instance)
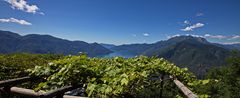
(108, 46)
(229, 46)
(136, 49)
(195, 53)
(34, 43)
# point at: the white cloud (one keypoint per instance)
(199, 14)
(184, 23)
(145, 34)
(216, 36)
(236, 37)
(13, 20)
(222, 36)
(230, 43)
(194, 35)
(24, 6)
(176, 35)
(187, 22)
(190, 28)
(209, 36)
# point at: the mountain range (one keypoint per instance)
(195, 53)
(33, 43)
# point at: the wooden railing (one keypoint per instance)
(184, 89)
(7, 88)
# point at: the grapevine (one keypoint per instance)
(113, 77)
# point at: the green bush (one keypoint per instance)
(16, 65)
(112, 77)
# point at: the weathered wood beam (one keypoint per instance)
(29, 93)
(25, 92)
(13, 82)
(60, 91)
(67, 96)
(184, 89)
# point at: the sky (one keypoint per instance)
(123, 21)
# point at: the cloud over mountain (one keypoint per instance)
(13, 20)
(222, 36)
(192, 27)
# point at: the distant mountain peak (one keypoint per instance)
(108, 46)
(34, 43)
(8, 33)
(189, 38)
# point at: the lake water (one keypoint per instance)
(124, 54)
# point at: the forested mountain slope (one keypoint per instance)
(34, 43)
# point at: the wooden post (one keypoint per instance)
(7, 84)
(60, 95)
(184, 89)
(161, 85)
(6, 92)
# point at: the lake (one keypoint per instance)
(124, 54)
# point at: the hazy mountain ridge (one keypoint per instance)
(196, 53)
(34, 43)
(229, 46)
(198, 57)
(108, 46)
(136, 49)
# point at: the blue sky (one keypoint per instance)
(123, 21)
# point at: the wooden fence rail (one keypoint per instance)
(14, 81)
(184, 89)
(7, 88)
